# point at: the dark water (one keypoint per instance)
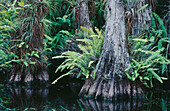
(64, 98)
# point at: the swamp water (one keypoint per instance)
(64, 98)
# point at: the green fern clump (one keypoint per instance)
(83, 63)
(150, 55)
(58, 25)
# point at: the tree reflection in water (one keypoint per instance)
(65, 98)
(122, 105)
(23, 98)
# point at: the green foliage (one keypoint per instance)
(158, 23)
(59, 22)
(150, 61)
(83, 62)
(8, 25)
(60, 16)
(16, 32)
(58, 25)
(59, 40)
(98, 20)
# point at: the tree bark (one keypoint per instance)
(142, 19)
(111, 80)
(82, 14)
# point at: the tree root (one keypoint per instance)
(109, 89)
(28, 78)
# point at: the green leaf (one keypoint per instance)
(68, 73)
(161, 23)
(129, 77)
(26, 64)
(14, 2)
(87, 30)
(79, 74)
(91, 62)
(65, 32)
(48, 37)
(164, 78)
(17, 61)
(57, 57)
(151, 82)
(21, 44)
(22, 3)
(32, 62)
(14, 55)
(143, 7)
(156, 76)
(141, 78)
(163, 105)
(163, 68)
(140, 40)
(146, 78)
(36, 55)
(47, 21)
(145, 84)
(128, 68)
(2, 53)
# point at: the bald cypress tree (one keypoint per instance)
(30, 45)
(110, 78)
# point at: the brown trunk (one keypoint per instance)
(142, 19)
(82, 14)
(33, 32)
(111, 80)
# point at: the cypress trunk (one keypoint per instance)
(82, 14)
(111, 81)
(32, 62)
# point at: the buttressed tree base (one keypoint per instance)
(111, 81)
(31, 32)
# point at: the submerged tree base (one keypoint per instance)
(28, 78)
(109, 89)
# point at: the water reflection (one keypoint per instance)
(65, 98)
(128, 105)
(28, 97)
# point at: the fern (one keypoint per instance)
(161, 23)
(82, 62)
(149, 61)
